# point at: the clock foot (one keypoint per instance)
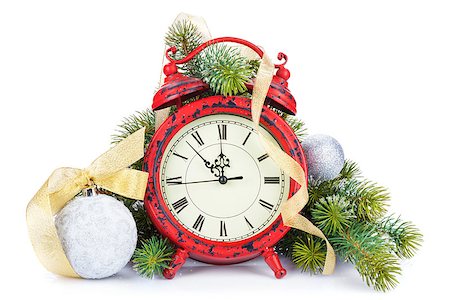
(178, 260)
(272, 259)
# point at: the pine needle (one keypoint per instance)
(154, 255)
(405, 236)
(309, 254)
(220, 65)
(365, 247)
(185, 37)
(298, 126)
(370, 200)
(349, 171)
(225, 70)
(332, 214)
(133, 123)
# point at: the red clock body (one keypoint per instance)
(182, 169)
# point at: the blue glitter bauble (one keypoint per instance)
(324, 156)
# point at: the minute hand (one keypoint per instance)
(207, 163)
(211, 180)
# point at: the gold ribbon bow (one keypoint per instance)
(109, 171)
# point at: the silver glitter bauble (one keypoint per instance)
(98, 235)
(324, 156)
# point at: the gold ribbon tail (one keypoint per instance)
(290, 210)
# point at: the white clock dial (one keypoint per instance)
(218, 181)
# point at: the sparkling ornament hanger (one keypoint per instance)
(90, 191)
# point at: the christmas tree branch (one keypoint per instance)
(221, 66)
(152, 257)
(298, 126)
(308, 254)
(369, 199)
(133, 123)
(225, 70)
(404, 236)
(363, 245)
(185, 36)
(332, 214)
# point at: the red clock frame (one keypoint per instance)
(189, 244)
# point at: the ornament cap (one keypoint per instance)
(90, 191)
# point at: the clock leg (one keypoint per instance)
(178, 260)
(272, 259)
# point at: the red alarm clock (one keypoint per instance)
(213, 190)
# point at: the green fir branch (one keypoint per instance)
(285, 245)
(133, 123)
(185, 37)
(405, 236)
(318, 189)
(309, 254)
(221, 66)
(370, 200)
(254, 65)
(366, 248)
(298, 126)
(225, 70)
(349, 171)
(332, 214)
(379, 271)
(152, 257)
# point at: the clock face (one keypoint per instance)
(218, 181)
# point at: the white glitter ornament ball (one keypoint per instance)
(324, 157)
(98, 235)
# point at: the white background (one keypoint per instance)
(373, 74)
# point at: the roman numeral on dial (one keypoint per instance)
(271, 180)
(223, 229)
(197, 137)
(250, 226)
(174, 180)
(180, 205)
(180, 156)
(266, 205)
(263, 157)
(223, 132)
(199, 223)
(246, 138)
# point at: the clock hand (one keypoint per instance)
(222, 160)
(235, 178)
(198, 153)
(210, 180)
(207, 163)
(220, 141)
